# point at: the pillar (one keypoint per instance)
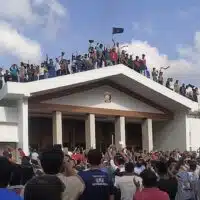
(23, 142)
(120, 132)
(90, 137)
(147, 135)
(57, 128)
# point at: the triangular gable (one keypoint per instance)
(105, 97)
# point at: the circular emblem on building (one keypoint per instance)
(107, 97)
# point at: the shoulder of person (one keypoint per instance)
(76, 178)
(77, 182)
(71, 180)
(138, 178)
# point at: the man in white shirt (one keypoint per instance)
(120, 165)
(171, 84)
(188, 91)
(1, 77)
(126, 184)
(41, 72)
(34, 155)
(58, 69)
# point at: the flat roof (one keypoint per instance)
(119, 74)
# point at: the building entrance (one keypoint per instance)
(105, 132)
(105, 135)
(134, 135)
(73, 133)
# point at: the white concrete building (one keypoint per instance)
(96, 108)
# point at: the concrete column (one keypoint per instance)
(147, 135)
(57, 128)
(120, 132)
(23, 125)
(90, 137)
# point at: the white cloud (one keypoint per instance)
(13, 11)
(18, 17)
(13, 43)
(185, 67)
(31, 11)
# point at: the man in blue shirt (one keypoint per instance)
(5, 175)
(98, 185)
(14, 72)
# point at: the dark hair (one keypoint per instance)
(7, 154)
(161, 168)
(94, 157)
(26, 173)
(44, 187)
(149, 178)
(129, 167)
(26, 161)
(170, 161)
(193, 165)
(118, 173)
(5, 172)
(121, 161)
(57, 147)
(52, 161)
(16, 175)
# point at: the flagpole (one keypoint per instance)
(113, 39)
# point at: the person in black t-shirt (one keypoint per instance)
(7, 76)
(166, 183)
(98, 185)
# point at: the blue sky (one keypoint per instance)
(165, 25)
(170, 22)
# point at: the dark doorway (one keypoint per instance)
(41, 134)
(104, 135)
(134, 135)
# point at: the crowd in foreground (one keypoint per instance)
(57, 174)
(98, 56)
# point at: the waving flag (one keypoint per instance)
(165, 68)
(117, 30)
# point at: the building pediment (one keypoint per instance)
(101, 98)
(104, 97)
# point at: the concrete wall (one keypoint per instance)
(95, 98)
(169, 135)
(194, 132)
(8, 124)
(8, 114)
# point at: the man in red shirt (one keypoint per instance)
(79, 156)
(150, 191)
(137, 64)
(113, 56)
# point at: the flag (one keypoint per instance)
(192, 86)
(117, 30)
(165, 68)
(91, 41)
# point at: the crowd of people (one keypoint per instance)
(189, 91)
(98, 56)
(57, 174)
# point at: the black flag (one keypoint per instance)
(91, 41)
(117, 30)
